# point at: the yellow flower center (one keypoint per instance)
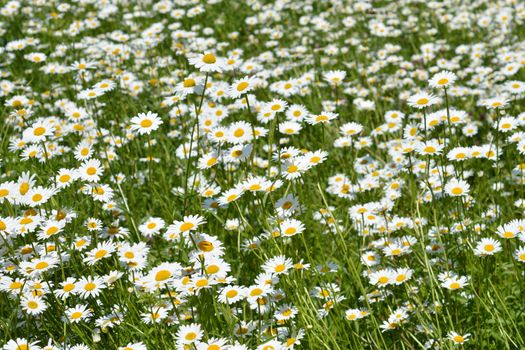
(41, 265)
(231, 294)
(90, 286)
(24, 187)
(202, 283)
(242, 86)
(209, 58)
(256, 292)
(292, 168)
(212, 269)
(76, 315)
(100, 254)
(189, 83)
(162, 275)
(455, 285)
(280, 268)
(457, 191)
(290, 231)
(146, 123)
(205, 246)
(39, 131)
(459, 339)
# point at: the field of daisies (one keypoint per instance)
(262, 174)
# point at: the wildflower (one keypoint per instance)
(102, 251)
(454, 282)
(241, 87)
(278, 265)
(189, 334)
(91, 170)
(519, 254)
(151, 227)
(382, 277)
(208, 62)
(442, 80)
(77, 313)
(458, 339)
(422, 100)
(39, 131)
(145, 123)
(291, 227)
(334, 77)
(90, 286)
(493, 103)
(324, 117)
(231, 294)
(457, 188)
(487, 246)
(33, 305)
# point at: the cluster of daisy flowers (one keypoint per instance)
(261, 175)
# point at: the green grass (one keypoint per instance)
(300, 36)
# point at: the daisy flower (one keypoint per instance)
(21, 344)
(39, 131)
(230, 195)
(103, 250)
(296, 113)
(145, 123)
(487, 246)
(188, 334)
(442, 79)
(278, 265)
(382, 277)
(38, 195)
(422, 100)
(152, 226)
(77, 313)
(334, 77)
(291, 170)
(291, 227)
(187, 224)
(242, 86)
(519, 254)
(134, 346)
(90, 286)
(207, 62)
(91, 170)
(324, 117)
(105, 85)
(457, 188)
(290, 128)
(452, 282)
(493, 103)
(67, 288)
(231, 294)
(164, 273)
(90, 94)
(458, 339)
(33, 305)
(156, 315)
(429, 148)
(35, 57)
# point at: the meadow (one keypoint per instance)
(262, 174)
